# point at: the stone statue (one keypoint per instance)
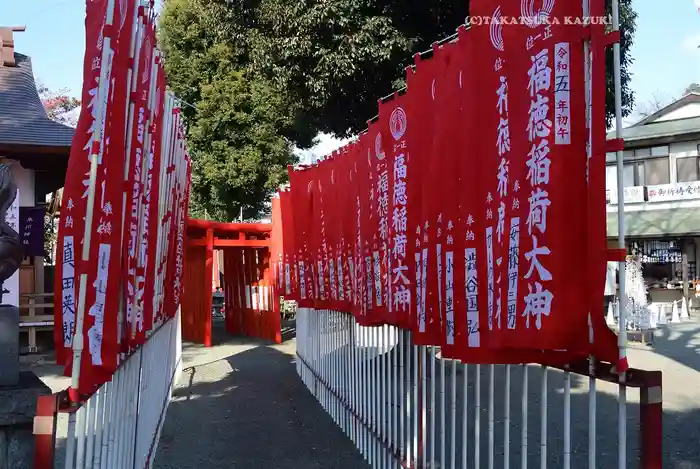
(11, 249)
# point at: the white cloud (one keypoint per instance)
(324, 145)
(692, 42)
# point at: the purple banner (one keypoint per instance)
(31, 230)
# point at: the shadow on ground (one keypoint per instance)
(251, 411)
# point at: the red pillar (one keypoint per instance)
(208, 273)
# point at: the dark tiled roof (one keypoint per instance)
(23, 120)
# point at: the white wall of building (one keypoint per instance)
(24, 178)
(634, 194)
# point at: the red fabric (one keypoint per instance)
(344, 224)
(360, 211)
(174, 218)
(106, 243)
(445, 175)
(393, 123)
(371, 313)
(290, 282)
(300, 192)
(182, 236)
(421, 110)
(149, 236)
(135, 182)
(328, 225)
(73, 203)
(481, 151)
(100, 321)
(380, 167)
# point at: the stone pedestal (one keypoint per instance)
(17, 411)
(9, 345)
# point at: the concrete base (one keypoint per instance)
(9, 345)
(17, 411)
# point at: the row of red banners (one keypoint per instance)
(130, 281)
(465, 212)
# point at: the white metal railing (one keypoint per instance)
(119, 426)
(404, 406)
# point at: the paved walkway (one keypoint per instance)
(243, 406)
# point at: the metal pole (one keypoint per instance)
(622, 334)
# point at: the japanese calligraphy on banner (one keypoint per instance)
(468, 194)
(393, 122)
(74, 198)
(103, 268)
(140, 132)
(114, 129)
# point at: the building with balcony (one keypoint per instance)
(661, 181)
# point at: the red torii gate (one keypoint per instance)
(250, 287)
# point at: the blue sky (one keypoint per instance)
(666, 55)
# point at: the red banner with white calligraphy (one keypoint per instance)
(466, 194)
(74, 196)
(104, 205)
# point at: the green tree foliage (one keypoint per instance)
(317, 66)
(238, 124)
(628, 24)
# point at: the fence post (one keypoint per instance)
(45, 431)
(651, 418)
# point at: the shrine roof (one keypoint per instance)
(23, 120)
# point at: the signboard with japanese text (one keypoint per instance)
(632, 195)
(31, 224)
(672, 192)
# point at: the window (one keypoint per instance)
(628, 175)
(647, 172)
(687, 169)
(656, 171)
(661, 150)
(642, 152)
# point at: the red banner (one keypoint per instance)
(115, 113)
(134, 197)
(289, 266)
(74, 197)
(421, 111)
(302, 206)
(393, 122)
(466, 198)
(149, 234)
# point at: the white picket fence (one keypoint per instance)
(404, 406)
(119, 426)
